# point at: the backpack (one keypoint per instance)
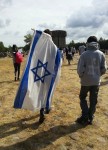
(19, 57)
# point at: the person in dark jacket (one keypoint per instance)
(91, 66)
(16, 65)
(17, 59)
(69, 56)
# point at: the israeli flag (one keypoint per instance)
(41, 74)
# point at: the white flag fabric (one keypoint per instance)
(41, 74)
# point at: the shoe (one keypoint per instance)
(90, 122)
(41, 119)
(82, 120)
(90, 119)
(47, 111)
(18, 79)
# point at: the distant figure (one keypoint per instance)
(69, 56)
(73, 50)
(106, 51)
(62, 53)
(17, 59)
(82, 48)
(91, 67)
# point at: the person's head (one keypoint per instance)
(48, 31)
(92, 39)
(92, 42)
(14, 48)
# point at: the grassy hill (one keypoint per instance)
(20, 130)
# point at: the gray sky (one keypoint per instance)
(80, 18)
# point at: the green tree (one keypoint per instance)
(2, 48)
(27, 40)
(71, 44)
(103, 44)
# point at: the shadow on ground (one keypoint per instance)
(37, 141)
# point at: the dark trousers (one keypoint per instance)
(42, 112)
(17, 69)
(88, 109)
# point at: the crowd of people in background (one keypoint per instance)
(69, 52)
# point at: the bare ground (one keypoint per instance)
(20, 130)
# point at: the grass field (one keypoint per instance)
(20, 130)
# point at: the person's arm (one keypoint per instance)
(81, 67)
(103, 67)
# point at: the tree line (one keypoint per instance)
(27, 39)
(103, 43)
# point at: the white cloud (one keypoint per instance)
(4, 4)
(89, 19)
(80, 18)
(4, 23)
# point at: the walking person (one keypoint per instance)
(44, 110)
(17, 59)
(69, 56)
(40, 75)
(73, 51)
(91, 67)
(47, 109)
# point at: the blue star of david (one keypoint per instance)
(38, 68)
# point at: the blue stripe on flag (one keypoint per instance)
(56, 67)
(24, 82)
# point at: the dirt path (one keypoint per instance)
(19, 129)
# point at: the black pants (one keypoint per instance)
(88, 109)
(17, 69)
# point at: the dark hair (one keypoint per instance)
(14, 48)
(92, 39)
(47, 31)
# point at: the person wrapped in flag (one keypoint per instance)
(40, 76)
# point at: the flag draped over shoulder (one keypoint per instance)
(41, 74)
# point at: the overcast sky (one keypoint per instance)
(80, 18)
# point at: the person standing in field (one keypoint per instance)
(69, 56)
(91, 66)
(17, 59)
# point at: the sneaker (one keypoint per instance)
(82, 120)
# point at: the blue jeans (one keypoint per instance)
(88, 109)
